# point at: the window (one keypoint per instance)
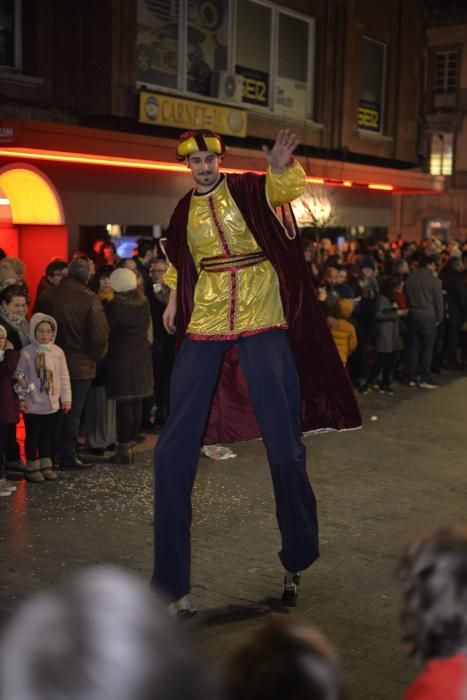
(249, 51)
(253, 51)
(10, 34)
(180, 43)
(441, 154)
(274, 54)
(445, 77)
(372, 85)
(292, 65)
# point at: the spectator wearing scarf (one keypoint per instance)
(44, 388)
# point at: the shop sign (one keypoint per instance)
(8, 133)
(369, 116)
(164, 110)
(255, 86)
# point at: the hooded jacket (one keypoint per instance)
(40, 401)
(343, 332)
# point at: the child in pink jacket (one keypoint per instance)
(44, 387)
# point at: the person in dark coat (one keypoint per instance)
(388, 339)
(129, 377)
(456, 292)
(425, 299)
(82, 335)
(163, 343)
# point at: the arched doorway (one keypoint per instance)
(32, 224)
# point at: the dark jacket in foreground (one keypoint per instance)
(129, 360)
(82, 326)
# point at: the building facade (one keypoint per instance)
(94, 95)
(445, 127)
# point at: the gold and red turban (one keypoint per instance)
(199, 140)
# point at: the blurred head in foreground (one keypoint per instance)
(285, 658)
(433, 576)
(103, 636)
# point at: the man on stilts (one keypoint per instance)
(255, 354)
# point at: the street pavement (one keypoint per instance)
(403, 472)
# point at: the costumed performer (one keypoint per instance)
(255, 356)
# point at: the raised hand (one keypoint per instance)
(279, 155)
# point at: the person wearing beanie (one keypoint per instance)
(129, 376)
(343, 332)
(43, 386)
(255, 356)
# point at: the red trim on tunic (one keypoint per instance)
(233, 301)
(233, 278)
(235, 336)
(218, 226)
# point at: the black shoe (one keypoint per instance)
(97, 451)
(290, 589)
(75, 463)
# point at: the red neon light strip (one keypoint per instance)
(380, 187)
(115, 162)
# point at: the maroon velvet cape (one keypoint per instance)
(328, 400)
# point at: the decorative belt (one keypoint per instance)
(231, 263)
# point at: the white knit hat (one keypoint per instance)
(123, 280)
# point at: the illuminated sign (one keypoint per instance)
(369, 116)
(255, 86)
(165, 110)
(7, 132)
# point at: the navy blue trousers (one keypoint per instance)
(268, 365)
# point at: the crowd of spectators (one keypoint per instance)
(397, 311)
(94, 356)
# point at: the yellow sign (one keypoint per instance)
(368, 117)
(188, 114)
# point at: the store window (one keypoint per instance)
(441, 154)
(253, 51)
(10, 14)
(372, 86)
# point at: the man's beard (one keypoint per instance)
(208, 178)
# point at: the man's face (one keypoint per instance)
(158, 270)
(204, 167)
(342, 276)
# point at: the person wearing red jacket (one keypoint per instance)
(432, 573)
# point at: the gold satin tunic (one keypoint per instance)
(245, 301)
